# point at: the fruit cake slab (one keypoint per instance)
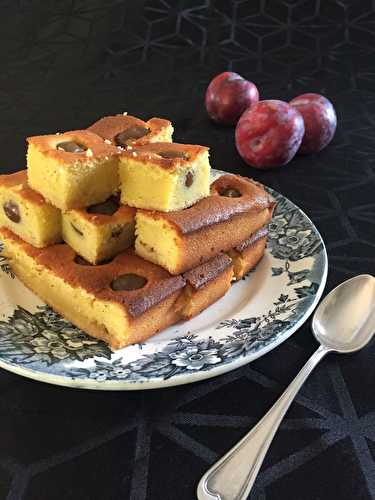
(257, 314)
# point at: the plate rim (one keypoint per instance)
(177, 380)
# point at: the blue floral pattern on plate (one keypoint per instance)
(38, 343)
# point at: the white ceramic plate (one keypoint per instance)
(255, 316)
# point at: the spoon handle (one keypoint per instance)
(233, 476)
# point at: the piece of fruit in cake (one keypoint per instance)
(181, 240)
(100, 231)
(128, 131)
(121, 302)
(27, 213)
(164, 176)
(72, 170)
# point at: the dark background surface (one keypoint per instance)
(66, 63)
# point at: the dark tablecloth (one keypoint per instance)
(66, 63)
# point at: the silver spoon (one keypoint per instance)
(344, 322)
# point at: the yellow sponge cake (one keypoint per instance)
(100, 231)
(179, 241)
(122, 302)
(26, 212)
(164, 176)
(72, 170)
(128, 131)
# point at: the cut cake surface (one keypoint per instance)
(164, 176)
(179, 241)
(26, 212)
(72, 170)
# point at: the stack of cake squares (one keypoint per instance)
(121, 231)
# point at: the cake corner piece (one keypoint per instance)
(164, 176)
(72, 169)
(26, 212)
(101, 231)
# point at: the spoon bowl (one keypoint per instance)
(345, 320)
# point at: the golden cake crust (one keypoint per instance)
(150, 154)
(96, 147)
(60, 259)
(123, 212)
(201, 275)
(6, 233)
(159, 285)
(205, 284)
(262, 233)
(18, 182)
(247, 254)
(110, 126)
(97, 279)
(214, 224)
(120, 318)
(216, 208)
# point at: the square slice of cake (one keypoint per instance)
(164, 176)
(100, 231)
(181, 240)
(73, 169)
(247, 254)
(27, 213)
(128, 131)
(205, 284)
(122, 302)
